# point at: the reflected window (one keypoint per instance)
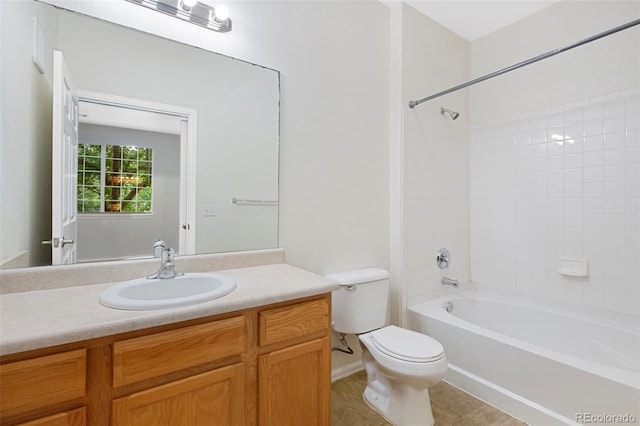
(114, 179)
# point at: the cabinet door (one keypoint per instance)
(295, 385)
(212, 398)
(68, 418)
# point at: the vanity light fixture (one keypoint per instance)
(214, 18)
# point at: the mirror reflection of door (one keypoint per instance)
(64, 154)
(128, 181)
(128, 191)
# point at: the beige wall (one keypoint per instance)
(26, 138)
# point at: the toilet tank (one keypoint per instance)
(361, 303)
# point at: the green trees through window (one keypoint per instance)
(114, 179)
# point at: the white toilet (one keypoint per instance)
(401, 364)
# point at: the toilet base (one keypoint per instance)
(399, 402)
(410, 408)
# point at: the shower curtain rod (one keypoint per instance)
(413, 104)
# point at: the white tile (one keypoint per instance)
(614, 237)
(615, 140)
(615, 172)
(555, 190)
(593, 205)
(573, 290)
(633, 137)
(573, 205)
(632, 238)
(574, 190)
(555, 176)
(593, 127)
(573, 133)
(574, 175)
(593, 142)
(614, 303)
(576, 145)
(633, 154)
(555, 147)
(573, 160)
(593, 189)
(595, 300)
(593, 174)
(593, 158)
(614, 124)
(613, 221)
(614, 189)
(593, 220)
(592, 236)
(614, 205)
(614, 156)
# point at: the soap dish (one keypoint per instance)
(573, 267)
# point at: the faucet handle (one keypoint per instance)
(158, 248)
(443, 258)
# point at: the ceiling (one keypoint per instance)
(472, 19)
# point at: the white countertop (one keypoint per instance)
(37, 319)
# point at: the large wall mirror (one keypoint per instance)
(234, 205)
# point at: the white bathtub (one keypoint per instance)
(545, 364)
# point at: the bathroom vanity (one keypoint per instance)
(260, 355)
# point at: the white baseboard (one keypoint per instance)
(346, 370)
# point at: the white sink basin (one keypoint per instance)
(188, 289)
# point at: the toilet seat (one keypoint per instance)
(407, 345)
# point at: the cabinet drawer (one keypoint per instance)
(281, 324)
(145, 357)
(42, 382)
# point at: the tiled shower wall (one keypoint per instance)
(436, 199)
(560, 183)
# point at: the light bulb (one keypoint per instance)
(221, 13)
(186, 5)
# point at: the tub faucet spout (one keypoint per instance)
(450, 281)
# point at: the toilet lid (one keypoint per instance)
(407, 345)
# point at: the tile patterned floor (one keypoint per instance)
(450, 405)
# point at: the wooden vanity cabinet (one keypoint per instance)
(264, 366)
(293, 379)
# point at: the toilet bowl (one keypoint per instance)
(401, 364)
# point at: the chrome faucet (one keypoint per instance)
(167, 264)
(450, 281)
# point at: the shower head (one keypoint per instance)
(452, 114)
